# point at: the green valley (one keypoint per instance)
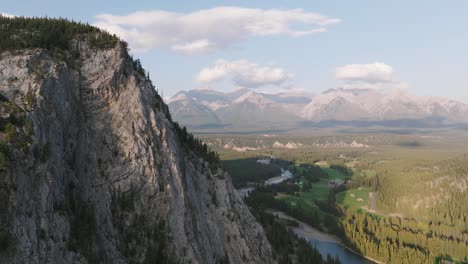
(386, 199)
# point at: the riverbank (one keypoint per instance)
(306, 231)
(310, 233)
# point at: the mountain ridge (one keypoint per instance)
(333, 105)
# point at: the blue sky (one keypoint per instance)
(420, 46)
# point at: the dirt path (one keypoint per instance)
(372, 196)
(371, 208)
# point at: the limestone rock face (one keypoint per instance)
(101, 177)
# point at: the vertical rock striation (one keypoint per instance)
(95, 172)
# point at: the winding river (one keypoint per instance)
(325, 243)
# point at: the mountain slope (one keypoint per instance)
(191, 113)
(92, 168)
(214, 99)
(338, 108)
(255, 111)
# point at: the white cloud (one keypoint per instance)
(7, 15)
(376, 75)
(199, 46)
(244, 74)
(376, 86)
(209, 29)
(377, 72)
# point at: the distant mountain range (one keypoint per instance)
(246, 110)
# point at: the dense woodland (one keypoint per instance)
(426, 213)
(245, 172)
(21, 33)
(420, 206)
(401, 240)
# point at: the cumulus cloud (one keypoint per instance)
(369, 73)
(244, 74)
(210, 29)
(376, 75)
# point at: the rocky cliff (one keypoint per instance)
(92, 169)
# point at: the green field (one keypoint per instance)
(354, 199)
(319, 191)
(307, 206)
(305, 200)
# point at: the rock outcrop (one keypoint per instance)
(92, 170)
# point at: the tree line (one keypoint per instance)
(190, 142)
(22, 33)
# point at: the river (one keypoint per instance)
(345, 255)
(325, 243)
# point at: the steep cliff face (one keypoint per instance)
(92, 170)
